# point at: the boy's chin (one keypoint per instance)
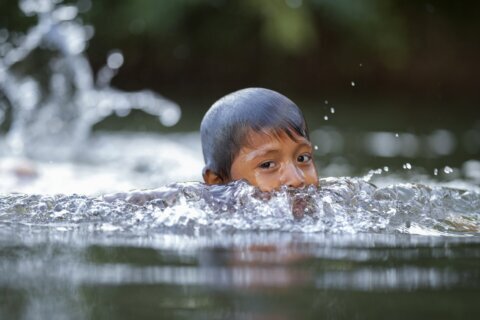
(303, 205)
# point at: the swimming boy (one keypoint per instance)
(260, 136)
(253, 134)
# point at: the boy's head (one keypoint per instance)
(258, 135)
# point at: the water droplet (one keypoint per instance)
(115, 60)
(326, 101)
(65, 13)
(396, 135)
(326, 118)
(407, 166)
(31, 8)
(447, 170)
(435, 171)
(315, 147)
(352, 83)
(332, 110)
(360, 65)
(171, 116)
(385, 169)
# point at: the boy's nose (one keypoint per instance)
(293, 177)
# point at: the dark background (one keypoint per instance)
(417, 49)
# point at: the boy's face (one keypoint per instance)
(269, 161)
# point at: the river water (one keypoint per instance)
(116, 225)
(184, 250)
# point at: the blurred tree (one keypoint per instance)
(371, 25)
(288, 25)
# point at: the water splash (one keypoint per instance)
(340, 205)
(407, 166)
(447, 170)
(58, 103)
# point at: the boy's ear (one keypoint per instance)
(211, 177)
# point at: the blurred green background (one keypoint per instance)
(415, 49)
(383, 65)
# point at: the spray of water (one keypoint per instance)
(58, 105)
(339, 205)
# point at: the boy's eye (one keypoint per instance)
(304, 158)
(267, 165)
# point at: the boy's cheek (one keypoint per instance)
(267, 184)
(255, 178)
(268, 188)
(312, 177)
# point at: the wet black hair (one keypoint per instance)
(225, 126)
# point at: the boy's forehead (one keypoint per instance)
(257, 138)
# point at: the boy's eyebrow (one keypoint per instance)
(305, 143)
(261, 153)
(272, 150)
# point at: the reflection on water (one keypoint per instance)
(80, 274)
